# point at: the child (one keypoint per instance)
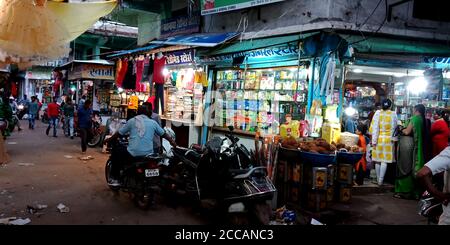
(361, 166)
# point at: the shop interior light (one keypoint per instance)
(447, 75)
(357, 70)
(73, 89)
(418, 85)
(120, 90)
(350, 111)
(165, 72)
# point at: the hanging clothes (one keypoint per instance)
(200, 77)
(129, 81)
(148, 69)
(158, 67)
(121, 69)
(139, 74)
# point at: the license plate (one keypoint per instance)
(151, 172)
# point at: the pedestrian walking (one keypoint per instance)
(53, 114)
(85, 124)
(14, 108)
(32, 112)
(68, 111)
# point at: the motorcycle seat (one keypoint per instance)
(148, 158)
(235, 172)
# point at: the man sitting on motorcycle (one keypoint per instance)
(141, 130)
(439, 164)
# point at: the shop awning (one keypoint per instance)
(198, 39)
(395, 46)
(258, 43)
(137, 50)
(96, 62)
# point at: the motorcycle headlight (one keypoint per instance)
(20, 107)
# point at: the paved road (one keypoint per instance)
(54, 179)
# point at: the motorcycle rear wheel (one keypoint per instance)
(95, 140)
(143, 200)
(108, 176)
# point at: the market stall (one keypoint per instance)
(255, 90)
(93, 79)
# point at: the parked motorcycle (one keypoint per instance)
(139, 178)
(97, 132)
(223, 173)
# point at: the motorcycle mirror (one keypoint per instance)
(231, 128)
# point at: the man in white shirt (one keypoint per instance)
(438, 165)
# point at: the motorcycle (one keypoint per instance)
(139, 178)
(222, 173)
(21, 110)
(97, 131)
(430, 208)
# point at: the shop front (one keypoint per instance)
(183, 90)
(258, 87)
(93, 79)
(39, 82)
(175, 83)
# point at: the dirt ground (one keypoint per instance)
(52, 177)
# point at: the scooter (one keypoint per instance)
(223, 175)
(139, 178)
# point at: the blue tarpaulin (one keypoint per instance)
(198, 39)
(132, 51)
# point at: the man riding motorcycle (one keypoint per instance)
(141, 130)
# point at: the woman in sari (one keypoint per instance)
(413, 153)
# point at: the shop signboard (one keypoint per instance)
(96, 71)
(180, 25)
(218, 6)
(180, 57)
(271, 54)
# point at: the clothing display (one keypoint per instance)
(139, 73)
(159, 100)
(158, 67)
(120, 71)
(148, 69)
(129, 81)
(28, 30)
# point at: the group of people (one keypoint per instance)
(420, 148)
(410, 145)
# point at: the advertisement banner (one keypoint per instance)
(180, 57)
(220, 6)
(180, 25)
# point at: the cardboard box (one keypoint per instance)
(345, 194)
(317, 200)
(319, 178)
(345, 173)
(331, 132)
